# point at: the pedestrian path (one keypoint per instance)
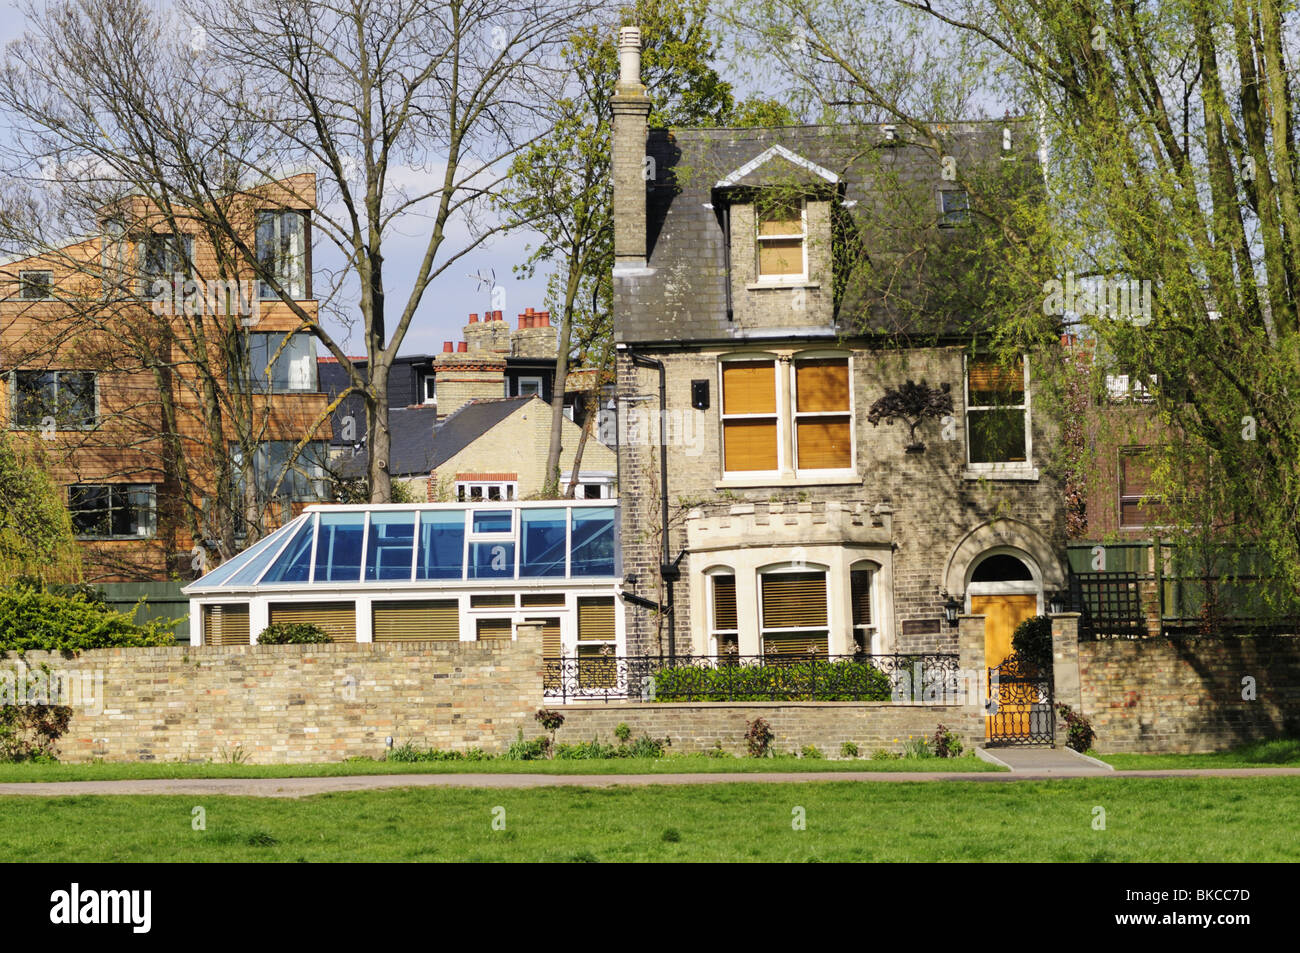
(306, 787)
(1050, 762)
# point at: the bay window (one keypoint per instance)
(724, 628)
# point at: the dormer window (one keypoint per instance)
(781, 239)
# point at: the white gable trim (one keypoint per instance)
(771, 153)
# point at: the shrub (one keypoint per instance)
(622, 732)
(945, 743)
(848, 750)
(647, 747)
(881, 754)
(810, 751)
(29, 732)
(916, 748)
(293, 633)
(585, 751)
(37, 619)
(521, 750)
(409, 753)
(758, 738)
(1079, 733)
(842, 680)
(1032, 641)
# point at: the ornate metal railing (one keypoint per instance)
(1020, 708)
(933, 678)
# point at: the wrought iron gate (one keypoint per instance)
(1020, 707)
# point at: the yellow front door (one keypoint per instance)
(1001, 616)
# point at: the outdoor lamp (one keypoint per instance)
(950, 610)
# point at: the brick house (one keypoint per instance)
(118, 346)
(743, 315)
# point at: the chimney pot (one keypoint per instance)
(473, 318)
(462, 347)
(447, 347)
(545, 320)
(528, 310)
(629, 56)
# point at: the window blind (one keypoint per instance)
(225, 625)
(596, 619)
(494, 629)
(749, 387)
(423, 621)
(993, 384)
(339, 619)
(794, 600)
(724, 603)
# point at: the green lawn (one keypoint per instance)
(679, 764)
(1191, 819)
(1261, 754)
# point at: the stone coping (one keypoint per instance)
(672, 706)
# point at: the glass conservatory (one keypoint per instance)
(426, 572)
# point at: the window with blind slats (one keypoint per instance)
(793, 612)
(416, 621)
(488, 630)
(1138, 507)
(860, 595)
(225, 625)
(780, 237)
(725, 629)
(749, 416)
(596, 619)
(997, 412)
(823, 414)
(339, 619)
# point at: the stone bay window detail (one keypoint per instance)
(809, 588)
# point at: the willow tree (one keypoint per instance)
(36, 538)
(1169, 238)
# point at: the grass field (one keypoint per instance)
(1261, 754)
(118, 771)
(1200, 819)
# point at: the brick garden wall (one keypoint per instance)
(1163, 695)
(296, 703)
(700, 726)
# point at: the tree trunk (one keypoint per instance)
(378, 437)
(587, 421)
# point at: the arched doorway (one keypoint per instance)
(1005, 586)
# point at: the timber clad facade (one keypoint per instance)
(145, 358)
(774, 275)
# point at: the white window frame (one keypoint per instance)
(871, 632)
(521, 381)
(795, 416)
(802, 235)
(428, 382)
(1014, 466)
(296, 285)
(509, 490)
(781, 388)
(786, 569)
(710, 576)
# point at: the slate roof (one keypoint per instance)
(911, 276)
(417, 447)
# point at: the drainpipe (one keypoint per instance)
(668, 569)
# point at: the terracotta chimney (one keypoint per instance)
(473, 317)
(462, 347)
(448, 347)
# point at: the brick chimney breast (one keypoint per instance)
(631, 109)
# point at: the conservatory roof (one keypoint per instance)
(433, 545)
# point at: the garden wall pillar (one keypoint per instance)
(1065, 666)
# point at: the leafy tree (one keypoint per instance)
(36, 538)
(1167, 238)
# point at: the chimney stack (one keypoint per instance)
(631, 109)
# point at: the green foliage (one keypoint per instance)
(758, 738)
(1079, 733)
(622, 732)
(549, 719)
(36, 537)
(841, 680)
(34, 619)
(917, 748)
(945, 743)
(30, 732)
(407, 753)
(1032, 641)
(811, 751)
(521, 750)
(647, 747)
(293, 633)
(883, 754)
(848, 750)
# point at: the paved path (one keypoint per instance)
(305, 787)
(1055, 762)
